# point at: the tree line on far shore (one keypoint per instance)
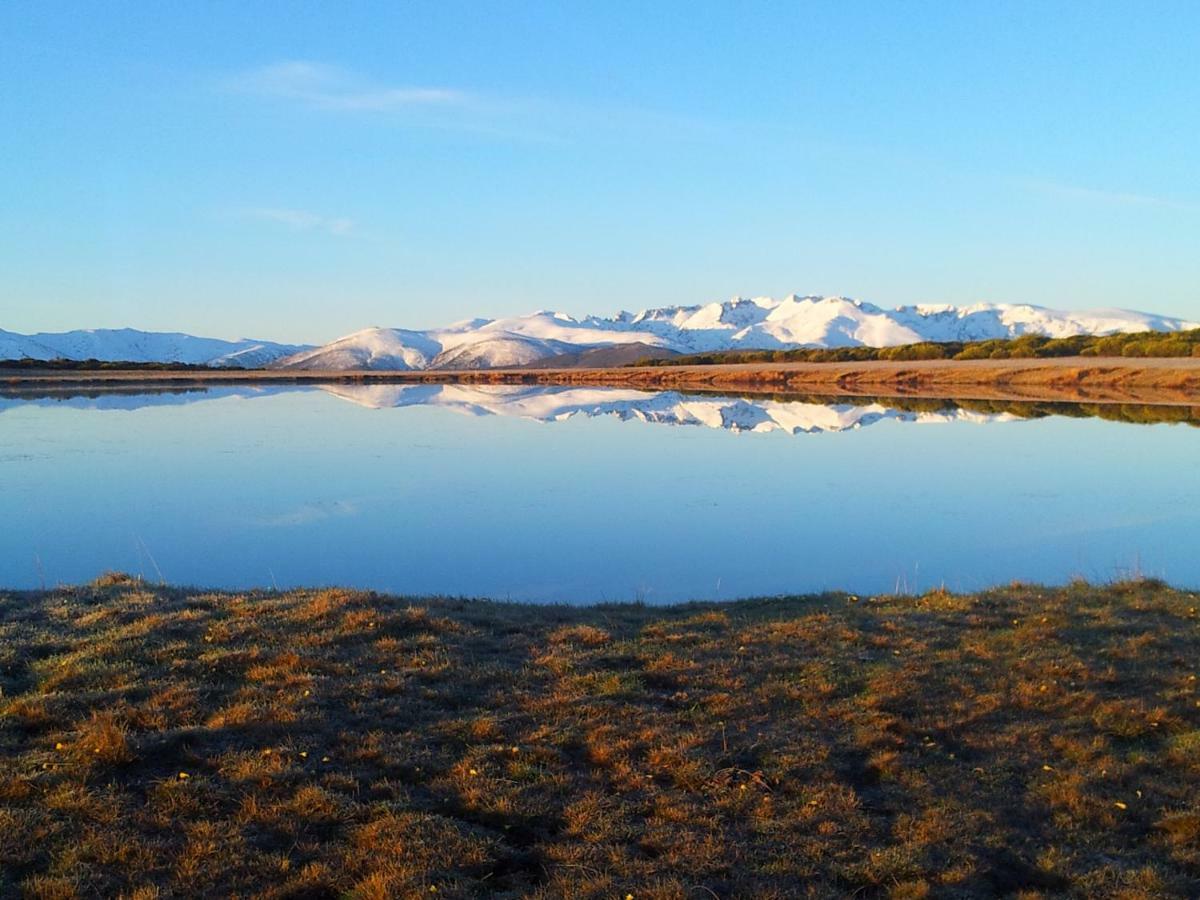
(1029, 346)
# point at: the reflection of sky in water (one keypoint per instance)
(399, 491)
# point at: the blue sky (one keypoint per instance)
(301, 171)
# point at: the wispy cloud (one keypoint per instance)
(322, 86)
(299, 219)
(330, 88)
(1107, 197)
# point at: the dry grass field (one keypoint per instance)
(1025, 741)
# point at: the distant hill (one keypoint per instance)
(133, 346)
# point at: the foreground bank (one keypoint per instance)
(315, 743)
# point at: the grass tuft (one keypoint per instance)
(1025, 741)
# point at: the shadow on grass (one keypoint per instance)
(1032, 740)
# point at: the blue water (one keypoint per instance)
(619, 496)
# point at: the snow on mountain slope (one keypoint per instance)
(745, 324)
(474, 344)
(254, 355)
(371, 348)
(502, 349)
(22, 346)
(130, 345)
(985, 321)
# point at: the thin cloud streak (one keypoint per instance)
(326, 87)
(329, 88)
(1112, 198)
(299, 219)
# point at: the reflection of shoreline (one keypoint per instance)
(1171, 381)
(755, 412)
(130, 398)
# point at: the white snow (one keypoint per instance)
(131, 345)
(371, 348)
(758, 323)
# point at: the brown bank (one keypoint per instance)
(1070, 379)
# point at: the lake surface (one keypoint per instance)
(586, 495)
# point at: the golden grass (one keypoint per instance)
(1028, 741)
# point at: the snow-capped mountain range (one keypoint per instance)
(759, 323)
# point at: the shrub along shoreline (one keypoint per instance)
(158, 741)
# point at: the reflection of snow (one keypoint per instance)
(550, 404)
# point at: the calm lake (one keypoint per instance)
(586, 495)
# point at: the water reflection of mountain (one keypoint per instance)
(792, 414)
(738, 414)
